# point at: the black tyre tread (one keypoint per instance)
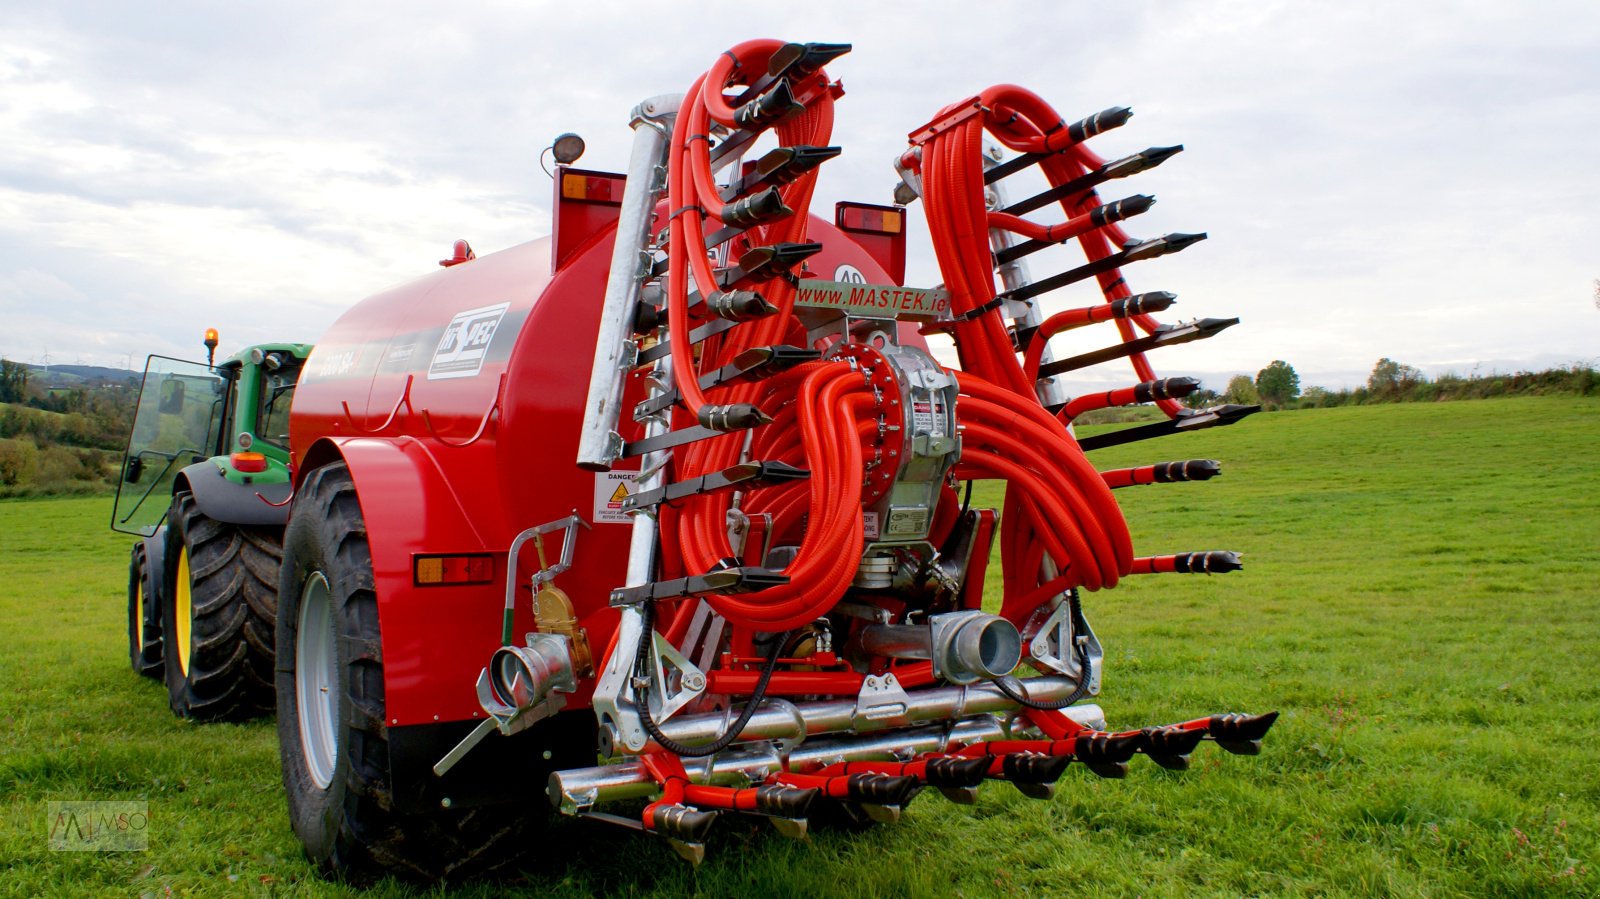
(144, 634)
(371, 839)
(233, 574)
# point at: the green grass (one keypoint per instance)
(1420, 599)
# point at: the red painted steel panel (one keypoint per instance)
(412, 389)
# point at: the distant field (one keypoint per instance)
(1421, 599)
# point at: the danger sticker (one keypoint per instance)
(610, 489)
(465, 343)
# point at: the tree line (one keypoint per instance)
(1278, 387)
(64, 440)
(70, 440)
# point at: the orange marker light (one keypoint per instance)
(248, 463)
(593, 187)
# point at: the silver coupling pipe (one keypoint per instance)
(965, 647)
(576, 790)
(524, 676)
(782, 720)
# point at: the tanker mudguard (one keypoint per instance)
(259, 505)
(393, 478)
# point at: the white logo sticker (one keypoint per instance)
(610, 489)
(849, 274)
(466, 342)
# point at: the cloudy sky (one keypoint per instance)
(1414, 180)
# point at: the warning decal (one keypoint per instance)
(610, 489)
(927, 417)
(466, 342)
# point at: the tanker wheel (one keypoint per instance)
(144, 616)
(218, 615)
(332, 729)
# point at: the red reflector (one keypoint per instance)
(450, 570)
(248, 463)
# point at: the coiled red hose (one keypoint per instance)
(1058, 508)
(814, 402)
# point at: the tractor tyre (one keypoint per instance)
(219, 614)
(144, 616)
(332, 730)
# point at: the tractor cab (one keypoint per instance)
(234, 414)
(206, 477)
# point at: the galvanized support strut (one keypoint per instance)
(599, 443)
(615, 354)
(614, 696)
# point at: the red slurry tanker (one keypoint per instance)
(665, 517)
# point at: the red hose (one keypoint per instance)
(1061, 527)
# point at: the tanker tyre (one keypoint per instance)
(144, 616)
(219, 609)
(332, 729)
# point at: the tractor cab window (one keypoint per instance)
(178, 422)
(277, 390)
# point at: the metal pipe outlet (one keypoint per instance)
(578, 789)
(778, 719)
(964, 647)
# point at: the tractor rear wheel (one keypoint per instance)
(219, 612)
(332, 730)
(144, 616)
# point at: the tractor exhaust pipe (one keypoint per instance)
(965, 647)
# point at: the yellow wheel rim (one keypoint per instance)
(138, 613)
(184, 609)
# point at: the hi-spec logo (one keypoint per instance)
(466, 342)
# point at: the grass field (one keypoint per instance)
(1421, 599)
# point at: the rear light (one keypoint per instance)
(880, 230)
(452, 570)
(248, 463)
(875, 219)
(586, 203)
(591, 187)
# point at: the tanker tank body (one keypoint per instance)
(669, 506)
(438, 420)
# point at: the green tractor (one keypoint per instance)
(205, 488)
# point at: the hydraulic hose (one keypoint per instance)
(640, 670)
